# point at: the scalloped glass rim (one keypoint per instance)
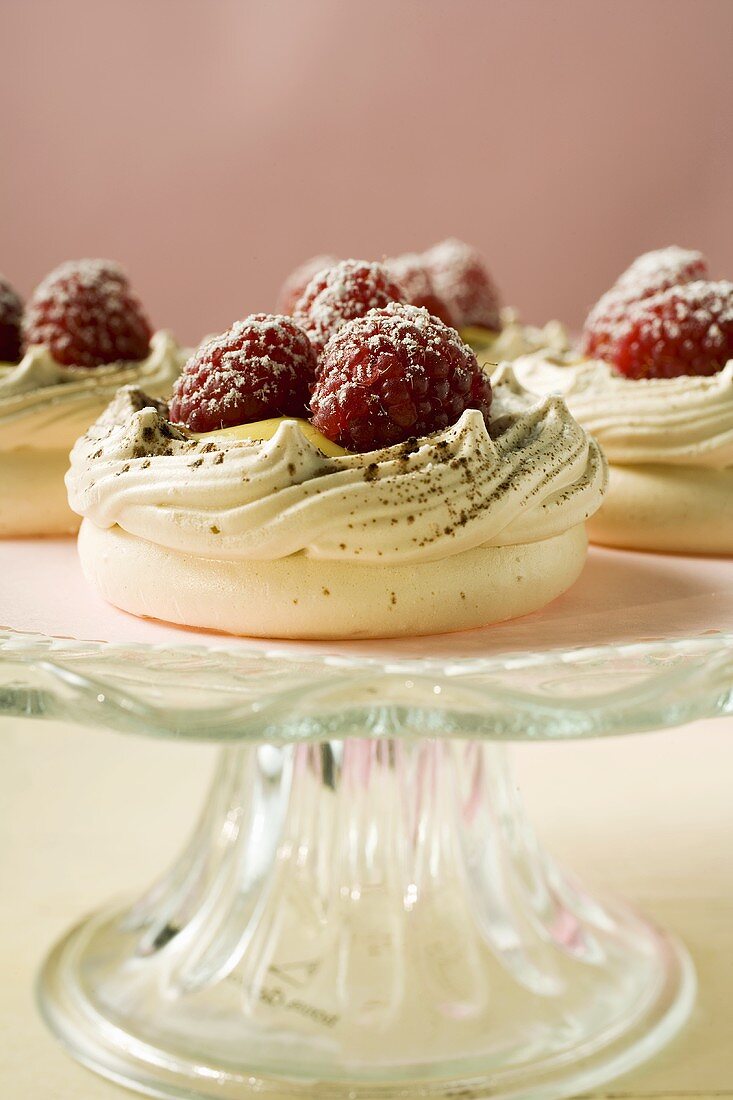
(281, 694)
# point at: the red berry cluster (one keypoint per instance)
(384, 377)
(87, 314)
(262, 367)
(663, 318)
(395, 374)
(460, 278)
(660, 270)
(412, 274)
(296, 283)
(341, 293)
(450, 280)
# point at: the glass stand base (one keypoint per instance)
(359, 920)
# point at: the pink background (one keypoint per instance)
(212, 145)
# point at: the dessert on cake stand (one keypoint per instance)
(363, 909)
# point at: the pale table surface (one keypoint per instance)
(87, 814)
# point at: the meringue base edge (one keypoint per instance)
(671, 509)
(298, 597)
(33, 502)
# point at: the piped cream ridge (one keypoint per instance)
(669, 443)
(536, 474)
(684, 421)
(44, 408)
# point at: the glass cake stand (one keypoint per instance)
(363, 910)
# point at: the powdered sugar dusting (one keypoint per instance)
(650, 273)
(341, 293)
(411, 272)
(295, 285)
(260, 368)
(87, 314)
(685, 329)
(462, 281)
(663, 268)
(395, 373)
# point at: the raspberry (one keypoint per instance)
(11, 315)
(341, 293)
(600, 324)
(294, 286)
(659, 270)
(410, 272)
(682, 330)
(262, 367)
(394, 374)
(461, 280)
(649, 274)
(86, 313)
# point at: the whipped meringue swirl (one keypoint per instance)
(684, 421)
(535, 474)
(47, 406)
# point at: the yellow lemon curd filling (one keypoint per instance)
(480, 338)
(266, 429)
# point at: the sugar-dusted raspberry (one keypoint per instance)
(393, 374)
(339, 294)
(461, 280)
(294, 286)
(661, 269)
(11, 316)
(649, 274)
(87, 314)
(261, 368)
(685, 329)
(410, 272)
(602, 323)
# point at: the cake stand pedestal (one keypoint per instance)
(363, 910)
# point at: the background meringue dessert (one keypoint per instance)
(85, 334)
(654, 384)
(450, 280)
(374, 488)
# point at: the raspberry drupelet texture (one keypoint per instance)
(340, 294)
(87, 314)
(395, 374)
(410, 272)
(295, 285)
(11, 316)
(685, 329)
(461, 280)
(649, 274)
(665, 267)
(262, 367)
